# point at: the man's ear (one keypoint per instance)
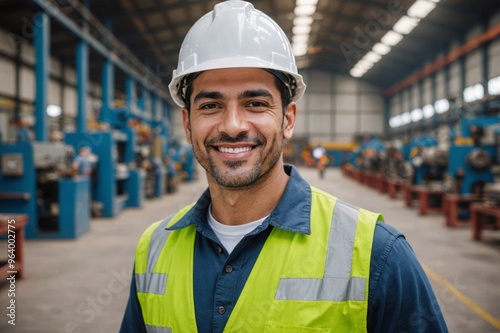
(289, 120)
(187, 124)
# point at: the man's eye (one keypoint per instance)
(256, 104)
(208, 106)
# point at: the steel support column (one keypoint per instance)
(130, 95)
(154, 111)
(42, 56)
(108, 95)
(82, 70)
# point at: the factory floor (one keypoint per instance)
(82, 285)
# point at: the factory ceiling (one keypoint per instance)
(342, 32)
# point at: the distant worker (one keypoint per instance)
(322, 160)
(262, 250)
(84, 162)
(23, 128)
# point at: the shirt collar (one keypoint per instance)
(292, 212)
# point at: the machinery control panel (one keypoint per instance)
(12, 165)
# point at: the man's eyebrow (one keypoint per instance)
(208, 95)
(256, 93)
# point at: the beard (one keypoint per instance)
(238, 174)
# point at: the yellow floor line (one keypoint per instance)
(464, 299)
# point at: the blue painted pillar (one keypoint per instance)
(433, 99)
(387, 115)
(82, 72)
(166, 111)
(108, 95)
(485, 73)
(42, 56)
(154, 113)
(130, 95)
(142, 101)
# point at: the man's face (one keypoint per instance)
(236, 124)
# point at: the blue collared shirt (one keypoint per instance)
(400, 297)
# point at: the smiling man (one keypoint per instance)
(261, 250)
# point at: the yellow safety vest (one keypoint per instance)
(299, 283)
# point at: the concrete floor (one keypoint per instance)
(82, 285)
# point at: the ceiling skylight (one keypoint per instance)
(404, 26)
(304, 9)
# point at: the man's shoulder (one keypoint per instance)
(384, 238)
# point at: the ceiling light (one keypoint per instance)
(406, 118)
(473, 93)
(436, 1)
(299, 49)
(442, 105)
(304, 38)
(356, 72)
(366, 65)
(53, 110)
(304, 10)
(307, 2)
(428, 111)
(372, 57)
(391, 38)
(406, 24)
(381, 48)
(302, 20)
(301, 29)
(494, 86)
(416, 115)
(395, 121)
(421, 8)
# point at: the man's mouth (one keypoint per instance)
(234, 150)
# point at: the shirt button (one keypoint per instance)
(221, 310)
(229, 269)
(219, 249)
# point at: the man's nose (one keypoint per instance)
(235, 121)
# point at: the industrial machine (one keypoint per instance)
(473, 154)
(428, 160)
(36, 180)
(394, 165)
(183, 158)
(116, 186)
(368, 155)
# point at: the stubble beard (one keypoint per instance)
(231, 178)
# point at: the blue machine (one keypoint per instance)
(423, 170)
(369, 157)
(31, 184)
(470, 162)
(470, 166)
(115, 187)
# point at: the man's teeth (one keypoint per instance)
(234, 150)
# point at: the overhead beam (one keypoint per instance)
(134, 68)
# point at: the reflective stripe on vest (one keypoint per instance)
(337, 285)
(149, 282)
(157, 329)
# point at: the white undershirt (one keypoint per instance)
(231, 235)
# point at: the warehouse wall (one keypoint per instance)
(451, 87)
(333, 109)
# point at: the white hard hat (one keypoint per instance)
(235, 34)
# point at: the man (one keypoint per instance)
(262, 250)
(84, 162)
